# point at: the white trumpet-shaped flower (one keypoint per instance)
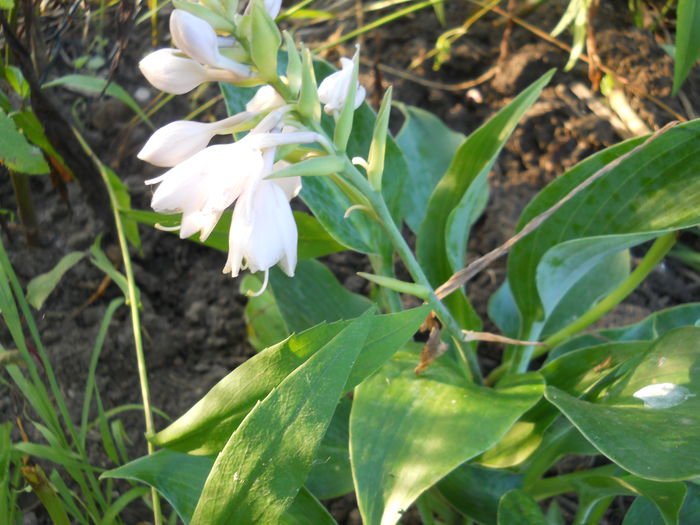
(204, 185)
(179, 140)
(197, 39)
(265, 99)
(170, 71)
(263, 232)
(334, 88)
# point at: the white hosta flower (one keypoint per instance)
(197, 39)
(168, 70)
(663, 395)
(179, 140)
(334, 89)
(263, 232)
(271, 6)
(205, 184)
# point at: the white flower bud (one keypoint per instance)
(169, 71)
(176, 142)
(196, 38)
(265, 99)
(334, 88)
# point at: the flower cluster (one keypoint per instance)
(204, 180)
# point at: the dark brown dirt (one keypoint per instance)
(192, 314)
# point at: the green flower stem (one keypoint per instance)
(549, 487)
(135, 318)
(375, 198)
(654, 256)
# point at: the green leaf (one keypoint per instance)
(95, 85)
(377, 148)
(428, 146)
(575, 373)
(475, 492)
(649, 329)
(472, 162)
(314, 296)
(265, 40)
(667, 497)
(42, 285)
(655, 190)
(121, 194)
(655, 443)
(256, 479)
(331, 474)
(314, 241)
(687, 41)
(7, 4)
(27, 121)
(264, 324)
(407, 431)
(179, 478)
(644, 511)
(18, 154)
(205, 428)
(517, 507)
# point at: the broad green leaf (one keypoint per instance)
(255, 480)
(517, 507)
(575, 373)
(205, 428)
(264, 324)
(314, 241)
(644, 511)
(649, 329)
(428, 146)
(331, 474)
(667, 497)
(687, 40)
(655, 443)
(313, 296)
(575, 275)
(407, 431)
(42, 285)
(95, 85)
(179, 478)
(458, 198)
(653, 191)
(475, 491)
(473, 160)
(503, 311)
(27, 121)
(18, 154)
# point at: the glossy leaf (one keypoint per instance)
(475, 491)
(428, 146)
(314, 296)
(687, 41)
(179, 478)
(407, 431)
(667, 497)
(574, 373)
(655, 443)
(264, 324)
(649, 329)
(653, 191)
(473, 160)
(644, 511)
(205, 428)
(41, 286)
(331, 474)
(255, 480)
(517, 507)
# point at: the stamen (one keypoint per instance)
(159, 226)
(250, 293)
(359, 161)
